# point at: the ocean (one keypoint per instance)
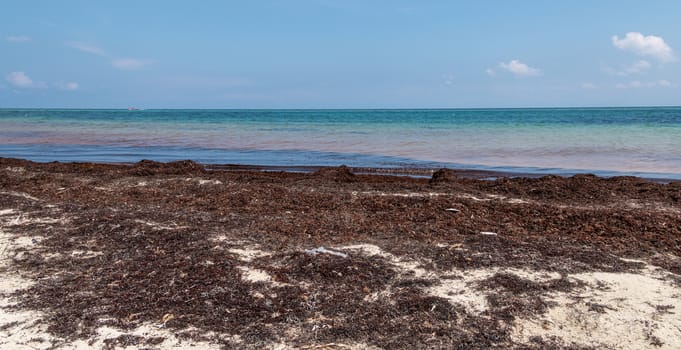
(604, 141)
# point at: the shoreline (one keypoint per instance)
(171, 255)
(465, 173)
(416, 172)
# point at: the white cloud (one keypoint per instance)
(651, 45)
(129, 63)
(448, 79)
(520, 69)
(19, 79)
(627, 70)
(204, 82)
(491, 72)
(88, 48)
(70, 86)
(665, 83)
(637, 84)
(23, 81)
(116, 62)
(588, 86)
(18, 38)
(630, 85)
(635, 68)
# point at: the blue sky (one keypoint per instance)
(339, 54)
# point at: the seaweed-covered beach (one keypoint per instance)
(171, 255)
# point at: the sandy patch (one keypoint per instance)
(20, 194)
(615, 311)
(16, 169)
(23, 219)
(202, 182)
(24, 329)
(248, 254)
(322, 250)
(461, 292)
(145, 332)
(329, 346)
(494, 197)
(404, 266)
(4, 212)
(11, 217)
(395, 194)
(85, 254)
(461, 287)
(488, 197)
(254, 275)
(160, 226)
(18, 329)
(518, 201)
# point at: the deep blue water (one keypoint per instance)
(606, 141)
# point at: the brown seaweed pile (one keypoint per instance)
(157, 242)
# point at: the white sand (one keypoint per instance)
(631, 317)
(405, 267)
(19, 329)
(202, 182)
(147, 331)
(248, 254)
(254, 275)
(23, 330)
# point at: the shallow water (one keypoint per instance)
(606, 141)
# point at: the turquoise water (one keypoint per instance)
(600, 140)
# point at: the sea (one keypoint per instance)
(642, 142)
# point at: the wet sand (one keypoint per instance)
(165, 256)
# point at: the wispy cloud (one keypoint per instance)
(200, 82)
(627, 70)
(636, 84)
(520, 69)
(651, 45)
(491, 72)
(18, 38)
(665, 83)
(635, 68)
(129, 63)
(116, 62)
(23, 81)
(588, 86)
(70, 86)
(88, 48)
(448, 79)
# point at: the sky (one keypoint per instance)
(339, 54)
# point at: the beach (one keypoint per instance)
(334, 175)
(174, 256)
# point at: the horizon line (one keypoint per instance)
(335, 108)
